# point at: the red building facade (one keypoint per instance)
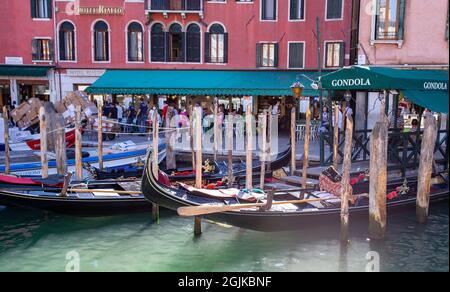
(81, 38)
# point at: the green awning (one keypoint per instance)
(436, 101)
(202, 82)
(24, 70)
(427, 88)
(380, 78)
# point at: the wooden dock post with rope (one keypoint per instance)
(6, 136)
(426, 168)
(293, 141)
(306, 148)
(249, 152)
(100, 137)
(346, 179)
(44, 142)
(78, 145)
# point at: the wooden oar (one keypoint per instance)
(105, 191)
(211, 209)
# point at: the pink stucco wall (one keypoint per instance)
(424, 40)
(240, 20)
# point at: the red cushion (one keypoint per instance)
(163, 179)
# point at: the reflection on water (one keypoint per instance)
(39, 241)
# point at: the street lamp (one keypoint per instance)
(297, 89)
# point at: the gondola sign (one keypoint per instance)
(351, 82)
(435, 86)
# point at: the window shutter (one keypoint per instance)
(225, 48)
(62, 46)
(275, 61)
(293, 8)
(274, 16)
(401, 22)
(207, 47)
(52, 49)
(107, 57)
(35, 49)
(167, 46)
(183, 47)
(33, 8)
(259, 55)
(49, 9)
(342, 55)
(263, 9)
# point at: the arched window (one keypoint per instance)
(193, 43)
(101, 42)
(216, 45)
(176, 43)
(67, 42)
(135, 35)
(158, 43)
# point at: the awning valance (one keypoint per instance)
(380, 78)
(24, 70)
(203, 82)
(427, 88)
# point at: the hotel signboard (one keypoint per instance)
(100, 10)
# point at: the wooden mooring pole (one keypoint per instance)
(293, 141)
(198, 148)
(346, 179)
(249, 153)
(100, 137)
(171, 163)
(78, 145)
(336, 137)
(155, 146)
(306, 148)
(426, 168)
(216, 129)
(44, 142)
(263, 149)
(269, 139)
(6, 134)
(378, 180)
(191, 135)
(60, 145)
(230, 146)
(197, 226)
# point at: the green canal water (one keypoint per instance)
(39, 241)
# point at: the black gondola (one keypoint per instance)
(76, 203)
(298, 216)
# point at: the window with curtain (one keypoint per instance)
(267, 55)
(67, 42)
(101, 42)
(216, 48)
(158, 43)
(334, 54)
(135, 35)
(297, 10)
(42, 50)
(193, 43)
(388, 19)
(268, 9)
(41, 8)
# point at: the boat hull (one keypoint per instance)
(173, 199)
(76, 206)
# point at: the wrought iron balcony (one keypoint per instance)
(175, 6)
